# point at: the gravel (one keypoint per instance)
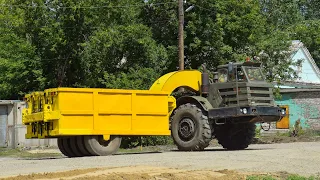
(301, 158)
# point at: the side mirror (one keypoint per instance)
(230, 67)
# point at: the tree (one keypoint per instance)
(308, 32)
(21, 71)
(118, 50)
(215, 31)
(281, 13)
(243, 27)
(58, 28)
(275, 56)
(310, 9)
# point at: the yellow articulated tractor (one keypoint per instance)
(91, 122)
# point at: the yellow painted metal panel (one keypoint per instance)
(75, 101)
(133, 133)
(55, 127)
(76, 122)
(40, 116)
(150, 123)
(113, 123)
(110, 102)
(150, 104)
(284, 122)
(171, 81)
(68, 132)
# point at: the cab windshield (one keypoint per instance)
(254, 73)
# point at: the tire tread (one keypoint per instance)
(206, 137)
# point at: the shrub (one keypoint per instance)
(134, 141)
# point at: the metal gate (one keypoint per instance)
(3, 126)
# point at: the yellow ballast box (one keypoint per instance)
(88, 111)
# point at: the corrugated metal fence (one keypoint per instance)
(12, 131)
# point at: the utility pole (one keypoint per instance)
(181, 42)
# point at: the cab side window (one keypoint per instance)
(222, 75)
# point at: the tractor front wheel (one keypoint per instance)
(190, 128)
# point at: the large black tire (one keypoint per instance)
(61, 146)
(74, 146)
(64, 146)
(97, 146)
(190, 128)
(81, 146)
(235, 136)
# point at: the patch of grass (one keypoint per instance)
(18, 153)
(309, 132)
(258, 132)
(283, 134)
(274, 177)
(139, 150)
(134, 150)
(297, 177)
(303, 135)
(8, 152)
(260, 177)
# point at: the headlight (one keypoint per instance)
(244, 110)
(283, 111)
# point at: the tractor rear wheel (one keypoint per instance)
(190, 128)
(235, 136)
(97, 146)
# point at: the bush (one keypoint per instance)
(134, 141)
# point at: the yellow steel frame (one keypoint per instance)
(90, 111)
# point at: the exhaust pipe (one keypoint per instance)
(204, 81)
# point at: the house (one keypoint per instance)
(301, 97)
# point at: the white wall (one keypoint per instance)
(17, 131)
(307, 72)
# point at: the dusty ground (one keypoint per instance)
(136, 173)
(298, 158)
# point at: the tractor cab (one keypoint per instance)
(240, 72)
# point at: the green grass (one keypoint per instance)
(289, 177)
(297, 177)
(17, 153)
(139, 150)
(260, 177)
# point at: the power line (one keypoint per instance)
(87, 7)
(87, 26)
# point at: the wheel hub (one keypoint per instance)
(186, 129)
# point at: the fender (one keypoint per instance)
(201, 102)
(190, 79)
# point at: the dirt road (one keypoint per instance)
(297, 158)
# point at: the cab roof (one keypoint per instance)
(247, 63)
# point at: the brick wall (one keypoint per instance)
(306, 107)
